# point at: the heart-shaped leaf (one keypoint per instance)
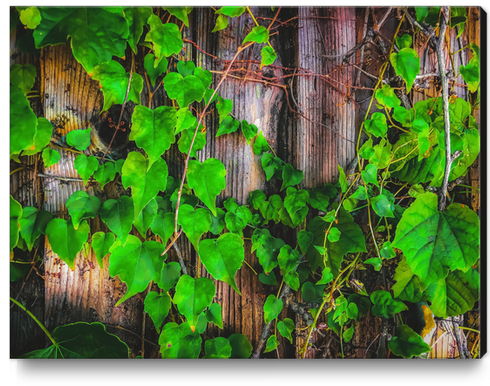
(384, 305)
(81, 206)
(145, 180)
(271, 344)
(223, 257)
(377, 125)
(105, 174)
(169, 276)
(86, 166)
(240, 346)
(207, 179)
(179, 341)
(290, 176)
(272, 308)
(153, 130)
(65, 240)
(193, 296)
(407, 343)
(288, 258)
(194, 223)
(224, 107)
(101, 244)
(50, 157)
(163, 226)
(33, 223)
(258, 34)
(268, 56)
(406, 64)
(23, 76)
(166, 39)
(23, 122)
(227, 126)
(285, 328)
(146, 217)
(186, 139)
(15, 227)
(268, 248)
(136, 18)
(214, 314)
(184, 90)
(180, 13)
(118, 215)
(157, 306)
(249, 131)
(79, 139)
(136, 264)
(152, 71)
(217, 348)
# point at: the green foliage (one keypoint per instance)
(471, 72)
(290, 176)
(260, 145)
(153, 130)
(146, 217)
(407, 343)
(272, 308)
(214, 314)
(86, 166)
(105, 173)
(97, 33)
(136, 18)
(179, 341)
(194, 223)
(166, 39)
(193, 296)
(285, 328)
(217, 348)
(157, 306)
(42, 138)
(240, 346)
(384, 305)
(114, 81)
(101, 244)
(268, 56)
(23, 122)
(180, 13)
(65, 240)
(221, 23)
(79, 139)
(184, 90)
(23, 76)
(15, 226)
(50, 157)
(407, 65)
(30, 17)
(144, 178)
(377, 125)
(82, 206)
(82, 340)
(258, 34)
(223, 257)
(434, 241)
(32, 222)
(208, 180)
(249, 131)
(267, 247)
(271, 344)
(227, 126)
(118, 215)
(136, 264)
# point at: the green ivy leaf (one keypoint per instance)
(221, 23)
(223, 257)
(30, 17)
(101, 244)
(471, 72)
(207, 179)
(81, 206)
(382, 206)
(268, 279)
(407, 286)
(387, 251)
(185, 68)
(407, 65)
(458, 18)
(271, 344)
(288, 258)
(376, 262)
(105, 173)
(291, 177)
(404, 41)
(118, 215)
(157, 306)
(272, 308)
(404, 116)
(256, 198)
(363, 304)
(304, 240)
(249, 131)
(258, 34)
(229, 125)
(23, 122)
(407, 343)
(422, 13)
(260, 145)
(179, 341)
(180, 13)
(50, 157)
(369, 175)
(166, 39)
(327, 276)
(382, 156)
(114, 81)
(312, 293)
(347, 335)
(43, 136)
(384, 305)
(285, 328)
(434, 241)
(344, 184)
(23, 76)
(82, 340)
(231, 11)
(185, 90)
(153, 130)
(386, 95)
(319, 198)
(217, 222)
(186, 139)
(136, 264)
(169, 276)
(454, 295)
(65, 240)
(152, 71)
(97, 33)
(271, 165)
(145, 180)
(217, 348)
(237, 221)
(146, 217)
(86, 166)
(193, 296)
(240, 346)
(136, 18)
(185, 120)
(224, 107)
(351, 240)
(163, 226)
(377, 125)
(268, 248)
(292, 280)
(268, 56)
(213, 314)
(32, 222)
(15, 226)
(194, 223)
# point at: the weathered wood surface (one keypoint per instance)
(317, 136)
